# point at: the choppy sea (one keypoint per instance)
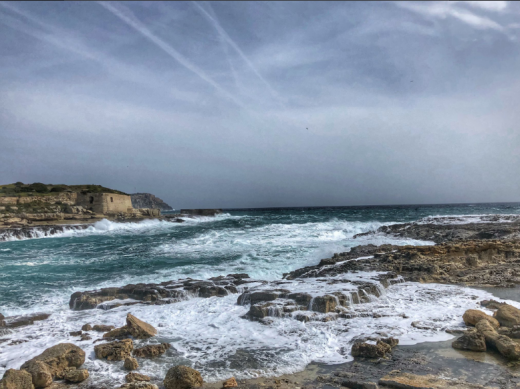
(40, 274)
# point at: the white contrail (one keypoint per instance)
(214, 21)
(126, 16)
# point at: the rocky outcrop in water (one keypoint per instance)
(115, 351)
(163, 293)
(201, 212)
(475, 263)
(22, 320)
(445, 229)
(148, 200)
(152, 350)
(317, 299)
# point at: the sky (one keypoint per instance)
(264, 104)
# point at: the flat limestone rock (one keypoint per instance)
(413, 381)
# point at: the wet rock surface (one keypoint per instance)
(22, 320)
(163, 293)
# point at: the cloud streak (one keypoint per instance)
(216, 24)
(126, 16)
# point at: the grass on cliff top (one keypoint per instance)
(19, 189)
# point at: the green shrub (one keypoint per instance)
(39, 187)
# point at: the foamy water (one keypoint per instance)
(210, 334)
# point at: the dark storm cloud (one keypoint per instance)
(264, 104)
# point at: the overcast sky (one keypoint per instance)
(264, 104)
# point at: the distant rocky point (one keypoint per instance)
(148, 200)
(22, 205)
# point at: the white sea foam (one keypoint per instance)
(210, 333)
(465, 219)
(105, 226)
(268, 251)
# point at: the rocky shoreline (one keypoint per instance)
(465, 254)
(52, 224)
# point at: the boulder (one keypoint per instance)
(53, 363)
(131, 363)
(136, 328)
(115, 351)
(230, 383)
(368, 350)
(182, 377)
(40, 372)
(486, 329)
(470, 340)
(132, 377)
(507, 347)
(76, 375)
(151, 351)
(392, 342)
(2, 322)
(507, 315)
(16, 379)
(472, 316)
(102, 328)
(75, 333)
(85, 337)
(86, 327)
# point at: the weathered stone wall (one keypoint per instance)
(64, 198)
(105, 203)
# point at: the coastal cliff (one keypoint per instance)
(148, 200)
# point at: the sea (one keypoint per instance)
(39, 274)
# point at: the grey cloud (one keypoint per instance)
(264, 104)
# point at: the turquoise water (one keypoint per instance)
(40, 274)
